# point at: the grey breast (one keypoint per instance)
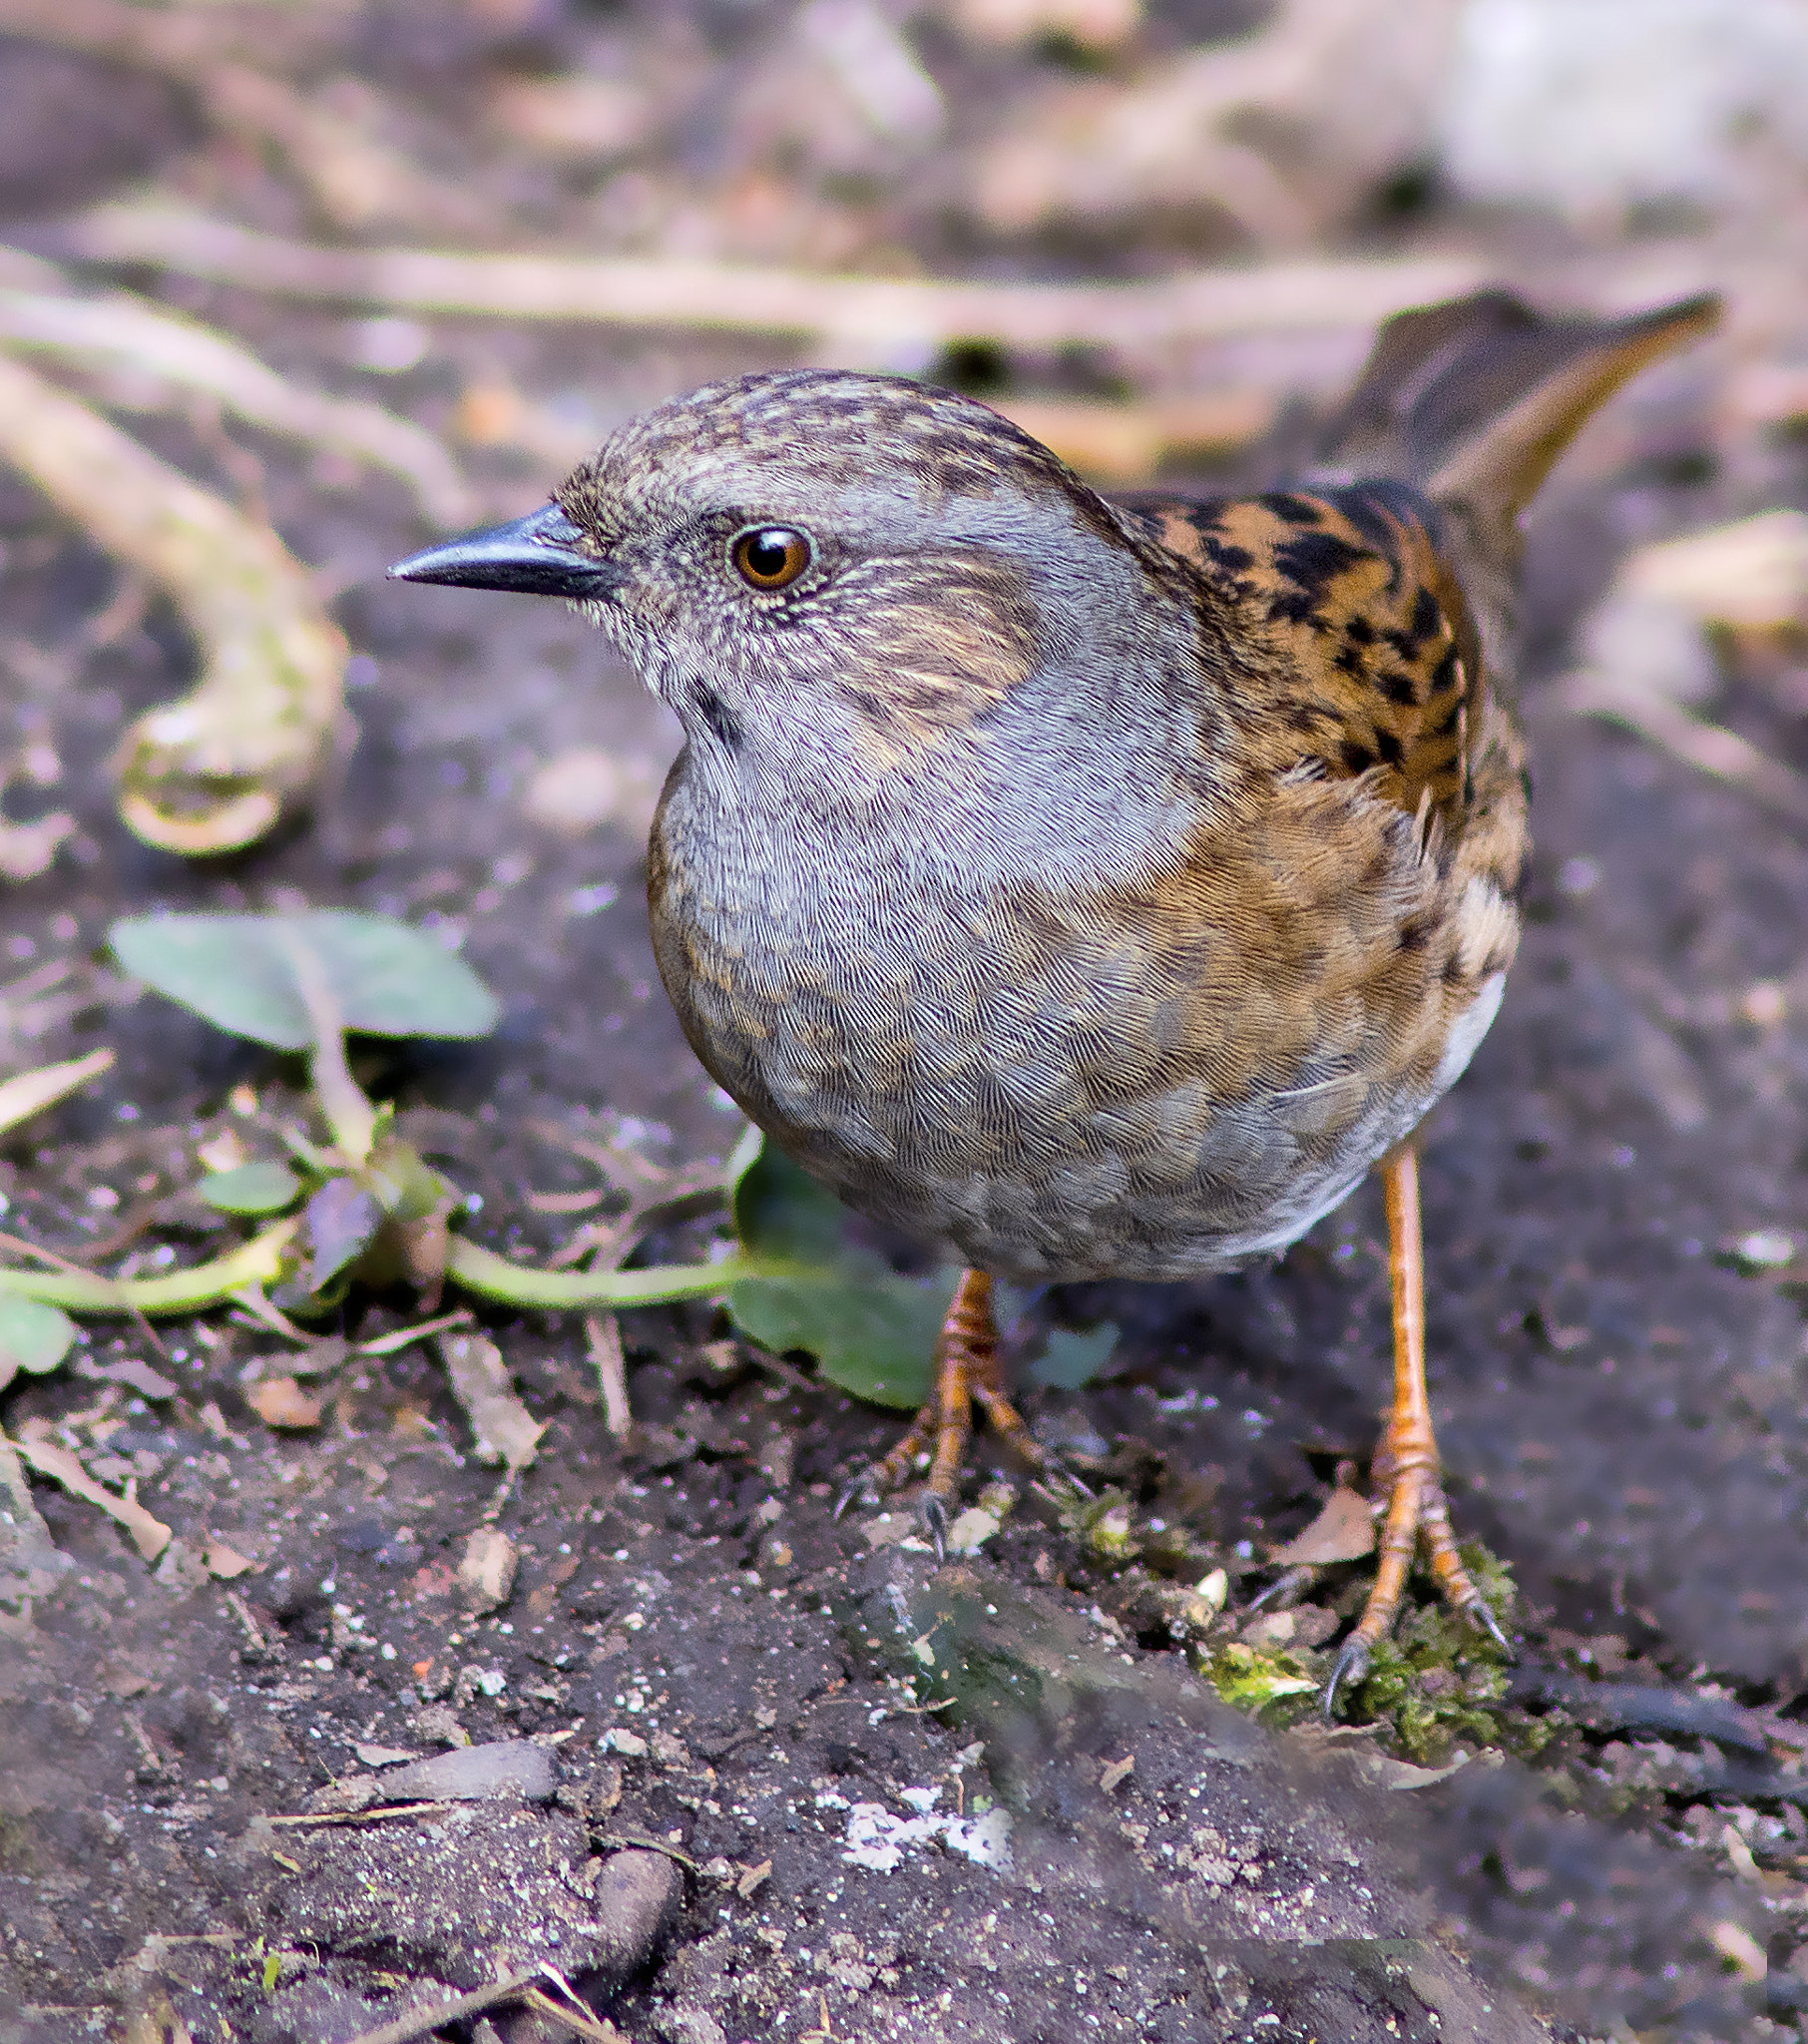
(993, 1094)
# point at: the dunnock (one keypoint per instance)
(1093, 890)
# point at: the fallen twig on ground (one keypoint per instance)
(216, 769)
(120, 331)
(150, 1535)
(863, 316)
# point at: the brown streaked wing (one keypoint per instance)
(1369, 661)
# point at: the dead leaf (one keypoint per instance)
(281, 1401)
(224, 1562)
(504, 1429)
(486, 1572)
(140, 1376)
(1384, 1771)
(1343, 1531)
(149, 1536)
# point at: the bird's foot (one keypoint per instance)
(1415, 1515)
(967, 1370)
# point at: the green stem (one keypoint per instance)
(343, 1101)
(492, 1277)
(254, 1263)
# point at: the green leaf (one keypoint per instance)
(1068, 1361)
(781, 1210)
(871, 1331)
(237, 971)
(262, 1188)
(32, 1337)
(876, 1340)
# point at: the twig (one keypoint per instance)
(586, 2024)
(121, 329)
(21, 1247)
(251, 1301)
(149, 1535)
(216, 769)
(620, 1840)
(326, 1818)
(1698, 742)
(859, 313)
(352, 179)
(422, 2022)
(405, 1337)
(602, 1335)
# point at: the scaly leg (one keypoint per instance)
(967, 1367)
(1406, 1465)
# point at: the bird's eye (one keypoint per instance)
(770, 556)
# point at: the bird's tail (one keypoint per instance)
(1472, 401)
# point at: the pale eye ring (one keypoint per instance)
(768, 557)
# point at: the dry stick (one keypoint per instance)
(149, 1534)
(161, 344)
(602, 1335)
(216, 769)
(330, 1819)
(865, 313)
(424, 2021)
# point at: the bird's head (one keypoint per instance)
(822, 572)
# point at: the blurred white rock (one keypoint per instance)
(1593, 107)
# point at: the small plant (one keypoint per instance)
(353, 1204)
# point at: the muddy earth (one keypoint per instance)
(379, 1728)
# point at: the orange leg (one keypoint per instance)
(1406, 1467)
(967, 1367)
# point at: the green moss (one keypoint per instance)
(1437, 1678)
(1104, 1525)
(1260, 1680)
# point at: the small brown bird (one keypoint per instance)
(1093, 889)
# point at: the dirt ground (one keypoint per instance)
(739, 1771)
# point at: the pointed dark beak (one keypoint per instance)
(538, 555)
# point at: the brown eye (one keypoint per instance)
(770, 556)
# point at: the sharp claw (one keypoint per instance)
(1479, 1614)
(934, 1515)
(850, 1491)
(1351, 1665)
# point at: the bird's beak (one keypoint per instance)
(538, 555)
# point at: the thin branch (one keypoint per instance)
(863, 315)
(216, 769)
(121, 330)
(422, 2022)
